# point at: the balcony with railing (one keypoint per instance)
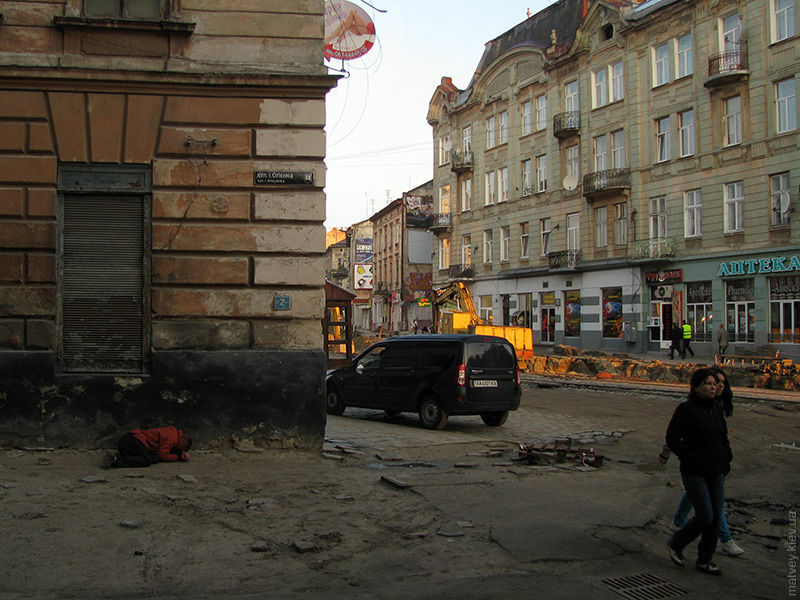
(440, 222)
(461, 272)
(653, 249)
(461, 161)
(566, 124)
(727, 67)
(563, 259)
(605, 182)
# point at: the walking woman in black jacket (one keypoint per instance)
(698, 435)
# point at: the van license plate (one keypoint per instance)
(484, 383)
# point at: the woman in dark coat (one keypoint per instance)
(698, 435)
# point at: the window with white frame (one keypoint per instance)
(780, 200)
(466, 251)
(527, 118)
(503, 127)
(663, 150)
(541, 112)
(546, 229)
(658, 217)
(782, 19)
(466, 138)
(600, 87)
(444, 149)
(505, 243)
(684, 46)
(571, 101)
(524, 240)
(444, 199)
(618, 155)
(601, 226)
(573, 161)
(488, 242)
(502, 184)
(444, 253)
(786, 105)
(693, 214)
(573, 231)
(661, 65)
(491, 132)
(734, 206)
(485, 308)
(621, 223)
(617, 82)
(686, 126)
(600, 144)
(732, 120)
(541, 173)
(466, 194)
(731, 32)
(491, 188)
(527, 187)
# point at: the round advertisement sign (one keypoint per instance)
(349, 32)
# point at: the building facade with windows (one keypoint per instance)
(402, 261)
(620, 161)
(161, 219)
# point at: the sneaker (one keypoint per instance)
(731, 548)
(675, 556)
(709, 568)
(109, 461)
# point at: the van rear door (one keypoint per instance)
(491, 373)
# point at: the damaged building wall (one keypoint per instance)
(210, 125)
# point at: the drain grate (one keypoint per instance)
(644, 587)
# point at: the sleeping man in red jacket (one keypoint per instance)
(143, 447)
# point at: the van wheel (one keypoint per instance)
(334, 403)
(494, 419)
(431, 413)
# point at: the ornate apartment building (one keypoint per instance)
(614, 167)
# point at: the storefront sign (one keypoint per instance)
(659, 277)
(423, 302)
(751, 266)
(283, 177)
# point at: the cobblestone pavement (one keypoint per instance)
(374, 429)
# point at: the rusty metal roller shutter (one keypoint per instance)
(102, 283)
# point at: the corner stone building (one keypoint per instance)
(147, 276)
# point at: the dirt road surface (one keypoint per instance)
(462, 519)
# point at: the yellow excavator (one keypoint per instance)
(468, 320)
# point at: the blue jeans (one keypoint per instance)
(706, 493)
(682, 515)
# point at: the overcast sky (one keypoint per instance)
(378, 137)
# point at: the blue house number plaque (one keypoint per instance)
(282, 303)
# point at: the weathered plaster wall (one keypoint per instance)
(218, 90)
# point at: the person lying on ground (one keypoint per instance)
(144, 447)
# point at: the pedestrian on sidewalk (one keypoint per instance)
(687, 338)
(724, 397)
(144, 447)
(722, 339)
(416, 327)
(676, 336)
(698, 435)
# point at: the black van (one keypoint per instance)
(434, 375)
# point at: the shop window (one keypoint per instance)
(698, 310)
(784, 309)
(572, 313)
(740, 310)
(612, 312)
